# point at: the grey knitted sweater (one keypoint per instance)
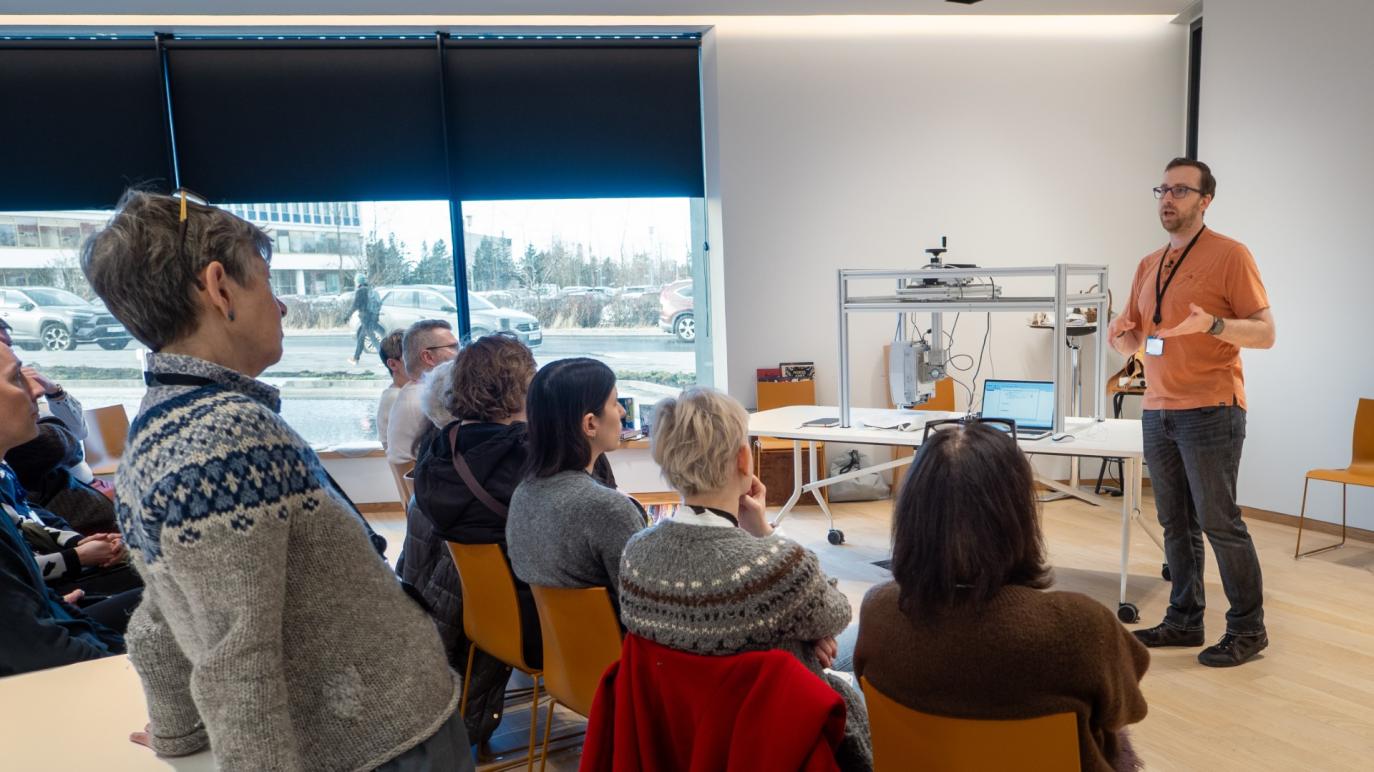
(697, 584)
(568, 530)
(270, 627)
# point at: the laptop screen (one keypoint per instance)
(1029, 403)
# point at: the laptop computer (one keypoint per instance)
(1029, 403)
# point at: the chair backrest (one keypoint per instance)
(581, 640)
(107, 430)
(402, 474)
(491, 610)
(772, 394)
(904, 739)
(1362, 453)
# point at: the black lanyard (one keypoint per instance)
(175, 379)
(714, 511)
(1159, 293)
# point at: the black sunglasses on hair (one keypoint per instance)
(969, 420)
(186, 197)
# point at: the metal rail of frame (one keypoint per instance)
(1058, 304)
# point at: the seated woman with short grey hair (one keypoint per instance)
(271, 630)
(714, 579)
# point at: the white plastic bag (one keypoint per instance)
(865, 487)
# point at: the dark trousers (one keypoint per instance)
(114, 611)
(1194, 457)
(369, 327)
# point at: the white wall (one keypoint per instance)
(859, 142)
(1286, 115)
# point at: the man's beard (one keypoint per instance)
(1181, 224)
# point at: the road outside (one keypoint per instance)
(331, 402)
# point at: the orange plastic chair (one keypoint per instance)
(581, 639)
(107, 430)
(491, 618)
(905, 739)
(1360, 472)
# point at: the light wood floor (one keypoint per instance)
(1306, 704)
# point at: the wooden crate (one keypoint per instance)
(775, 469)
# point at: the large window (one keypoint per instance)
(561, 240)
(604, 278)
(68, 334)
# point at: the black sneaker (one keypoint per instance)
(1164, 635)
(1233, 650)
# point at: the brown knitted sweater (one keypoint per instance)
(1026, 654)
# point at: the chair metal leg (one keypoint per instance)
(548, 724)
(467, 679)
(1302, 514)
(534, 721)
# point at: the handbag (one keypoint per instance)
(865, 487)
(460, 465)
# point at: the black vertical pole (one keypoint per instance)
(455, 207)
(168, 126)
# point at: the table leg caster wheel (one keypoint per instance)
(1128, 613)
(1164, 572)
(836, 536)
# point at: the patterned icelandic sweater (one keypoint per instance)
(270, 627)
(698, 584)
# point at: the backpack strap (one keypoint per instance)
(460, 465)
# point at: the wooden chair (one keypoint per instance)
(905, 739)
(1360, 472)
(107, 430)
(581, 639)
(491, 619)
(774, 394)
(404, 477)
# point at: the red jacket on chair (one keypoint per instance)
(663, 710)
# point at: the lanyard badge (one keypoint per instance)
(1154, 346)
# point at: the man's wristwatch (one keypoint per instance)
(1218, 324)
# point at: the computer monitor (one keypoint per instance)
(1029, 403)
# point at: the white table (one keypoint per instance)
(1112, 438)
(80, 717)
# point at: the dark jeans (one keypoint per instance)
(1194, 456)
(114, 611)
(369, 328)
(447, 750)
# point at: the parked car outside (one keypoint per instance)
(677, 316)
(58, 320)
(403, 305)
(637, 291)
(574, 291)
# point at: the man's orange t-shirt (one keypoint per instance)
(1199, 370)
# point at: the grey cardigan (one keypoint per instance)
(568, 530)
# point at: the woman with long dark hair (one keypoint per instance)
(966, 630)
(566, 528)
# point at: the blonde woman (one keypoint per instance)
(714, 579)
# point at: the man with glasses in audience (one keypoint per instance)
(426, 344)
(1194, 305)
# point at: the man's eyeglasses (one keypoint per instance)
(1178, 191)
(950, 423)
(453, 345)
